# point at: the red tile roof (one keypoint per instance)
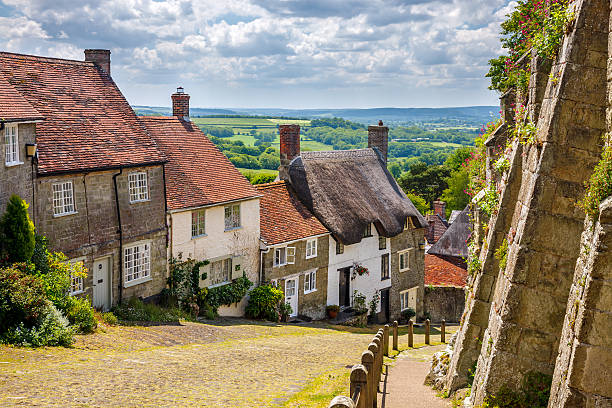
(13, 106)
(283, 217)
(445, 271)
(197, 173)
(88, 123)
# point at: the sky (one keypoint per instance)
(274, 53)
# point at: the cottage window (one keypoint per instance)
(367, 232)
(232, 217)
(76, 282)
(311, 248)
(408, 299)
(284, 256)
(63, 199)
(221, 271)
(382, 243)
(198, 220)
(138, 187)
(408, 223)
(384, 267)
(11, 145)
(137, 262)
(404, 259)
(310, 282)
(339, 248)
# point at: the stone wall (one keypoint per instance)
(538, 315)
(92, 231)
(18, 179)
(444, 302)
(310, 304)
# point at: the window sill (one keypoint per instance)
(137, 282)
(405, 270)
(78, 292)
(232, 229)
(384, 279)
(12, 164)
(311, 256)
(140, 201)
(279, 265)
(309, 291)
(65, 214)
(216, 285)
(199, 236)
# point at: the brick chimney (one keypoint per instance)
(180, 104)
(439, 208)
(99, 57)
(289, 148)
(378, 138)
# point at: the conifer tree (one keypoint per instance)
(17, 231)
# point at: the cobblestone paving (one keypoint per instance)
(235, 363)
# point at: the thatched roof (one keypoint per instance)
(348, 189)
(454, 241)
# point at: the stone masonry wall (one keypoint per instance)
(18, 179)
(92, 232)
(414, 277)
(309, 304)
(444, 302)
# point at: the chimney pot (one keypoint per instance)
(378, 138)
(180, 104)
(289, 148)
(99, 57)
(440, 208)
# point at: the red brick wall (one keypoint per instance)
(180, 105)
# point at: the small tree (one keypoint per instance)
(18, 231)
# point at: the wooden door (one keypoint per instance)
(384, 304)
(344, 286)
(102, 284)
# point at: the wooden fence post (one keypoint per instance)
(427, 323)
(367, 360)
(443, 332)
(410, 334)
(359, 381)
(395, 336)
(379, 362)
(341, 402)
(373, 348)
(386, 340)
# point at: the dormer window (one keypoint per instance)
(367, 232)
(11, 145)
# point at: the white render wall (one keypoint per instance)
(218, 243)
(365, 253)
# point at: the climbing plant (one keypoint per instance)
(599, 186)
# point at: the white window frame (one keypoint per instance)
(404, 299)
(407, 254)
(310, 282)
(11, 145)
(311, 248)
(284, 256)
(63, 199)
(232, 220)
(76, 281)
(199, 228)
(226, 265)
(137, 263)
(138, 187)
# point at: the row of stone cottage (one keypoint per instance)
(123, 194)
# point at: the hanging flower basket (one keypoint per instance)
(359, 270)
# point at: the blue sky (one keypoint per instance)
(274, 53)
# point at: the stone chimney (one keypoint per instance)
(180, 104)
(439, 208)
(99, 57)
(289, 148)
(378, 138)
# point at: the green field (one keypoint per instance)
(259, 171)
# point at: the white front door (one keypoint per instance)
(102, 283)
(291, 294)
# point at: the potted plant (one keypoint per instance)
(332, 311)
(285, 311)
(359, 270)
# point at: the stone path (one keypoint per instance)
(403, 386)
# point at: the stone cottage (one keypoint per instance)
(377, 235)
(77, 153)
(212, 210)
(295, 250)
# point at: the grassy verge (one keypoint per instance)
(320, 391)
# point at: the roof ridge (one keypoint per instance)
(46, 59)
(270, 184)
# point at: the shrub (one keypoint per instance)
(285, 310)
(17, 230)
(225, 295)
(22, 298)
(81, 315)
(408, 314)
(51, 330)
(359, 303)
(534, 393)
(109, 318)
(138, 311)
(599, 186)
(263, 303)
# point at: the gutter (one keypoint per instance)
(104, 168)
(120, 231)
